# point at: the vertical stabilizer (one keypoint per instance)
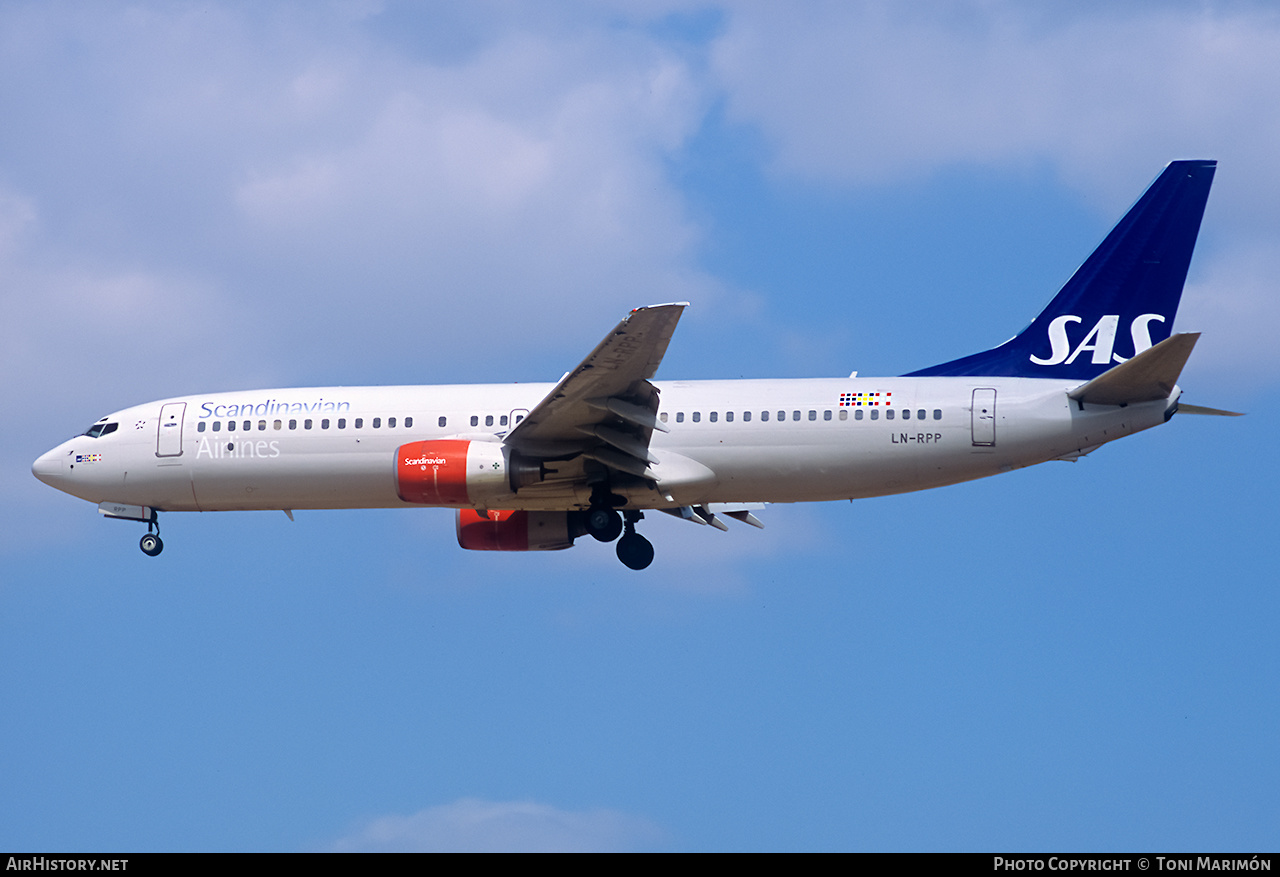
(1121, 301)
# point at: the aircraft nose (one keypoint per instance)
(49, 468)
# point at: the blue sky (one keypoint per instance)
(221, 196)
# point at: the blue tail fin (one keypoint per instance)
(1121, 301)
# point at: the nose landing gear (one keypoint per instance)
(151, 544)
(119, 511)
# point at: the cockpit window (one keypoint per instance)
(100, 429)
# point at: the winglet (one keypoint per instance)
(1147, 377)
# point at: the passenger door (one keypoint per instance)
(169, 430)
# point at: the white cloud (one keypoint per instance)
(474, 825)
(1236, 307)
(299, 161)
(872, 91)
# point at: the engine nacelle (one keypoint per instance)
(517, 531)
(459, 472)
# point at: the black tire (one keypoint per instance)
(635, 551)
(604, 524)
(151, 544)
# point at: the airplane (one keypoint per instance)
(533, 467)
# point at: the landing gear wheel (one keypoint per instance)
(604, 524)
(151, 544)
(635, 551)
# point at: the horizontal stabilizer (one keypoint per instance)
(1149, 376)
(1184, 408)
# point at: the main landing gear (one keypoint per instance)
(605, 524)
(151, 544)
(635, 551)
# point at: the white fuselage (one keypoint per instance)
(744, 441)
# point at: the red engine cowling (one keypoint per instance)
(516, 531)
(459, 472)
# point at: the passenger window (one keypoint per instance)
(713, 416)
(231, 426)
(782, 415)
(728, 417)
(248, 425)
(826, 415)
(746, 417)
(277, 425)
(306, 424)
(697, 416)
(200, 426)
(679, 417)
(844, 413)
(857, 414)
(359, 422)
(408, 423)
(875, 415)
(324, 424)
(377, 423)
(342, 423)
(920, 414)
(888, 415)
(217, 425)
(262, 426)
(764, 416)
(443, 420)
(813, 415)
(795, 415)
(502, 421)
(906, 413)
(293, 424)
(663, 417)
(937, 414)
(488, 420)
(391, 422)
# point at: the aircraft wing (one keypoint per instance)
(605, 408)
